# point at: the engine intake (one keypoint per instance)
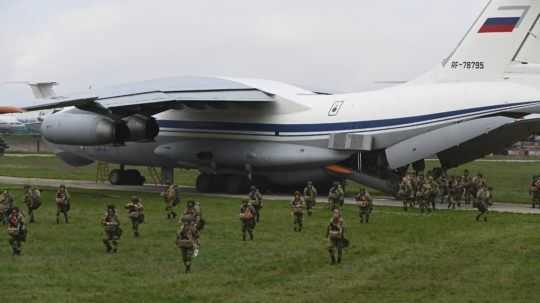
(141, 128)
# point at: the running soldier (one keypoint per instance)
(112, 230)
(310, 196)
(6, 204)
(335, 232)
(484, 199)
(63, 203)
(247, 218)
(16, 230)
(135, 210)
(171, 197)
(335, 196)
(32, 199)
(193, 215)
(365, 205)
(534, 191)
(297, 206)
(186, 241)
(256, 199)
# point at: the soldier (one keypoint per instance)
(424, 196)
(112, 230)
(453, 192)
(484, 198)
(247, 218)
(310, 196)
(63, 203)
(256, 199)
(16, 230)
(171, 197)
(468, 187)
(193, 215)
(365, 205)
(432, 197)
(459, 190)
(32, 199)
(6, 204)
(534, 191)
(406, 192)
(335, 232)
(297, 206)
(135, 210)
(186, 241)
(442, 183)
(335, 196)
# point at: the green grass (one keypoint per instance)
(398, 257)
(510, 180)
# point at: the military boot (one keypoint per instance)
(107, 246)
(57, 220)
(332, 259)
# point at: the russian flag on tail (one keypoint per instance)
(499, 25)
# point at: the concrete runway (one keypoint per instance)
(380, 201)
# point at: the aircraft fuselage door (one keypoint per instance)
(334, 110)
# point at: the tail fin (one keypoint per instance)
(43, 90)
(492, 43)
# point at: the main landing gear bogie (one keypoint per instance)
(231, 184)
(126, 177)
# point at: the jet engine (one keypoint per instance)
(141, 128)
(83, 129)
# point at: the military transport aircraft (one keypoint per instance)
(241, 131)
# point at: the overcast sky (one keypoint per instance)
(335, 45)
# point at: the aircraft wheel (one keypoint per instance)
(204, 183)
(237, 184)
(126, 177)
(115, 176)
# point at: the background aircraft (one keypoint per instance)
(242, 131)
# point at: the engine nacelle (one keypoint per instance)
(141, 128)
(83, 129)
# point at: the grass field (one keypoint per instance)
(511, 180)
(398, 257)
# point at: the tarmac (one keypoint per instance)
(378, 201)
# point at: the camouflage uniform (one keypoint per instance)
(32, 199)
(63, 203)
(335, 196)
(16, 229)
(6, 204)
(534, 191)
(483, 201)
(444, 194)
(247, 218)
(406, 192)
(335, 232)
(310, 196)
(297, 206)
(193, 215)
(256, 199)
(111, 229)
(186, 241)
(424, 196)
(365, 205)
(171, 197)
(135, 210)
(468, 187)
(434, 193)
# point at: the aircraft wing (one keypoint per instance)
(155, 96)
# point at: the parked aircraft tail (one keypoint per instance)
(504, 30)
(43, 90)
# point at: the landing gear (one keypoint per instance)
(126, 177)
(231, 184)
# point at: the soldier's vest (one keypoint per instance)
(297, 208)
(247, 214)
(363, 202)
(334, 234)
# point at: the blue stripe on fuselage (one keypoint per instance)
(327, 127)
